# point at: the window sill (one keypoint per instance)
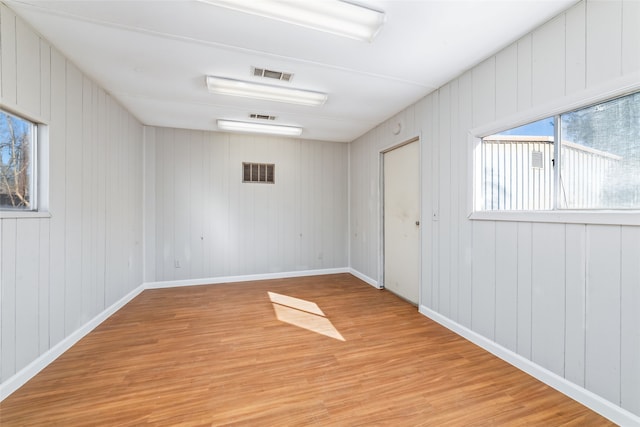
(23, 214)
(631, 217)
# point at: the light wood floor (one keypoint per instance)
(218, 355)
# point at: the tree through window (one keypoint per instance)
(17, 148)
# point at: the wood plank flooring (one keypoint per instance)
(218, 355)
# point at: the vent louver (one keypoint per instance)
(270, 74)
(262, 116)
(263, 173)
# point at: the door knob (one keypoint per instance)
(418, 223)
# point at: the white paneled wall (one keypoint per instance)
(59, 271)
(208, 224)
(564, 296)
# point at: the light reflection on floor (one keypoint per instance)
(303, 314)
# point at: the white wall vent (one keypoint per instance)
(263, 173)
(262, 116)
(537, 160)
(270, 74)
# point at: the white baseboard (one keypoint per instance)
(364, 278)
(29, 371)
(589, 399)
(246, 278)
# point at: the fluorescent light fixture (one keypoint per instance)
(236, 126)
(247, 89)
(332, 16)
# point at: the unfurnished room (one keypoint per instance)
(320, 212)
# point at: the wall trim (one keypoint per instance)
(25, 374)
(591, 400)
(364, 278)
(243, 278)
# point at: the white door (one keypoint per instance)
(402, 221)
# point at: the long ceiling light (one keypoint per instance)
(236, 126)
(332, 16)
(247, 89)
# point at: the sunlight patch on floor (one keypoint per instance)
(303, 314)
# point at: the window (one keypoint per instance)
(596, 164)
(600, 156)
(17, 163)
(258, 172)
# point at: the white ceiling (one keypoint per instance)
(153, 56)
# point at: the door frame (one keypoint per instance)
(381, 257)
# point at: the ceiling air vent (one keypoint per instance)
(270, 74)
(262, 116)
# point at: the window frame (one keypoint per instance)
(39, 168)
(614, 89)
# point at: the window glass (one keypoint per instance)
(17, 149)
(600, 156)
(517, 168)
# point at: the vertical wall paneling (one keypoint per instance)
(525, 69)
(102, 201)
(535, 287)
(86, 169)
(221, 177)
(548, 297)
(262, 195)
(27, 69)
(8, 271)
(602, 358)
(57, 191)
(575, 303)
(211, 224)
(484, 278)
(524, 254)
(426, 207)
(27, 265)
(484, 92)
(3, 340)
(52, 277)
(630, 36)
(3, 13)
(149, 196)
(45, 80)
(457, 165)
(506, 284)
(465, 249)
(196, 234)
(182, 195)
(73, 182)
(444, 161)
(44, 283)
(8, 52)
(630, 319)
(92, 189)
(604, 46)
(305, 180)
(548, 72)
(155, 137)
(165, 195)
(111, 201)
(434, 132)
(575, 49)
(507, 81)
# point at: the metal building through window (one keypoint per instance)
(263, 173)
(587, 158)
